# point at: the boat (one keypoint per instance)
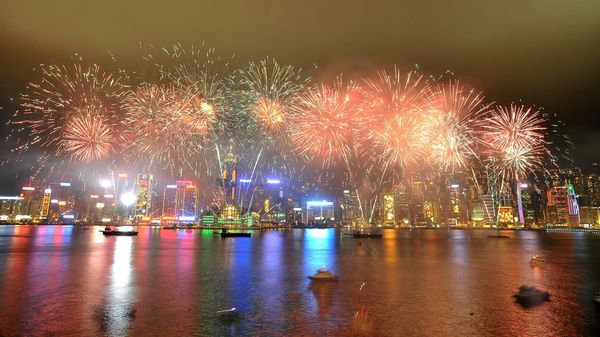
(367, 235)
(529, 296)
(111, 232)
(227, 234)
(323, 275)
(597, 297)
(498, 236)
(171, 227)
(536, 260)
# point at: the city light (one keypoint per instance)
(105, 183)
(454, 186)
(171, 186)
(186, 218)
(122, 175)
(28, 188)
(68, 216)
(322, 203)
(47, 191)
(245, 181)
(10, 198)
(128, 198)
(273, 181)
(93, 196)
(65, 184)
(99, 205)
(524, 185)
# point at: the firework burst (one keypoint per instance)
(171, 124)
(515, 141)
(453, 117)
(328, 125)
(58, 111)
(513, 127)
(270, 90)
(87, 137)
(396, 102)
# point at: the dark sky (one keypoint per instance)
(543, 52)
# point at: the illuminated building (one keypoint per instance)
(562, 207)
(319, 212)
(9, 207)
(431, 212)
(169, 207)
(229, 178)
(123, 187)
(28, 204)
(520, 188)
(62, 202)
(417, 212)
(573, 220)
(186, 201)
(402, 208)
(590, 215)
(389, 210)
(505, 216)
(143, 188)
(347, 208)
(489, 210)
(45, 205)
(229, 215)
(457, 208)
(477, 213)
(593, 188)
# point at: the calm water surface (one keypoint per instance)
(64, 281)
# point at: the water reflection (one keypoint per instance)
(62, 281)
(118, 310)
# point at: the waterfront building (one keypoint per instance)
(169, 206)
(9, 207)
(28, 202)
(186, 201)
(319, 212)
(489, 209)
(143, 203)
(389, 210)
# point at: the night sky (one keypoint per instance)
(542, 53)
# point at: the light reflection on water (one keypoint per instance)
(65, 281)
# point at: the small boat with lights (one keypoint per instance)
(323, 275)
(227, 234)
(536, 260)
(367, 235)
(111, 232)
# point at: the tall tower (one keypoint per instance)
(229, 177)
(144, 195)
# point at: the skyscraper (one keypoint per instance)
(143, 188)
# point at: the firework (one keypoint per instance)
(515, 141)
(513, 127)
(87, 137)
(453, 117)
(271, 89)
(58, 111)
(396, 102)
(401, 140)
(170, 124)
(328, 125)
(516, 162)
